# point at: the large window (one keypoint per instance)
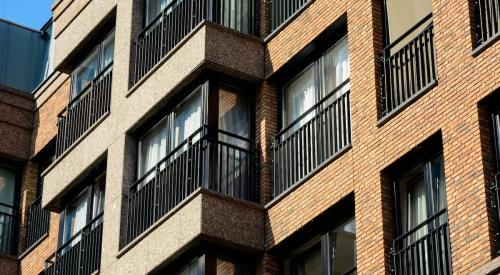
(331, 253)
(86, 207)
(7, 201)
(402, 15)
(316, 82)
(95, 62)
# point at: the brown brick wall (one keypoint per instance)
(45, 119)
(451, 108)
(16, 122)
(8, 264)
(34, 262)
(27, 196)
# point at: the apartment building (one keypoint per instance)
(262, 137)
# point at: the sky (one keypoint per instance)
(29, 13)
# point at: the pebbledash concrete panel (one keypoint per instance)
(75, 23)
(208, 47)
(203, 215)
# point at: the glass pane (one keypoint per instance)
(233, 113)
(108, 50)
(98, 200)
(7, 189)
(85, 73)
(154, 8)
(337, 67)
(300, 97)
(343, 247)
(192, 268)
(153, 148)
(75, 218)
(187, 119)
(310, 264)
(306, 260)
(400, 22)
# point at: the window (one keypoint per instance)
(332, 253)
(421, 195)
(169, 133)
(315, 83)
(496, 138)
(86, 207)
(95, 62)
(154, 8)
(402, 15)
(7, 201)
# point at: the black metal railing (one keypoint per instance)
(80, 255)
(179, 18)
(487, 20)
(425, 249)
(84, 111)
(311, 140)
(408, 69)
(38, 222)
(210, 158)
(281, 10)
(7, 228)
(495, 204)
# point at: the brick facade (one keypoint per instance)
(450, 109)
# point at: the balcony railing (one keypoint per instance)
(7, 228)
(495, 204)
(282, 10)
(210, 158)
(38, 222)
(313, 139)
(409, 70)
(179, 18)
(80, 255)
(487, 20)
(84, 111)
(424, 249)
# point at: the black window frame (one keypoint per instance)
(15, 227)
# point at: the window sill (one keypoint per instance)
(479, 49)
(306, 178)
(382, 121)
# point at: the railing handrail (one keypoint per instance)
(313, 108)
(79, 233)
(204, 135)
(409, 31)
(158, 17)
(38, 199)
(7, 205)
(420, 225)
(85, 91)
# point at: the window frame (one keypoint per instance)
(319, 79)
(99, 67)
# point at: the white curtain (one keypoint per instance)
(152, 149)
(417, 207)
(75, 219)
(300, 97)
(85, 73)
(337, 67)
(187, 120)
(235, 14)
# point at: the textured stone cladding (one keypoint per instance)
(451, 107)
(16, 122)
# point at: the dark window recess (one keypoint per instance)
(316, 119)
(495, 184)
(487, 19)
(80, 233)
(282, 10)
(331, 253)
(183, 153)
(408, 62)
(8, 211)
(90, 95)
(178, 18)
(38, 222)
(422, 245)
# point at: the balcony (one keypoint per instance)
(282, 10)
(487, 21)
(408, 67)
(84, 111)
(425, 249)
(38, 222)
(300, 150)
(80, 255)
(179, 18)
(209, 159)
(8, 233)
